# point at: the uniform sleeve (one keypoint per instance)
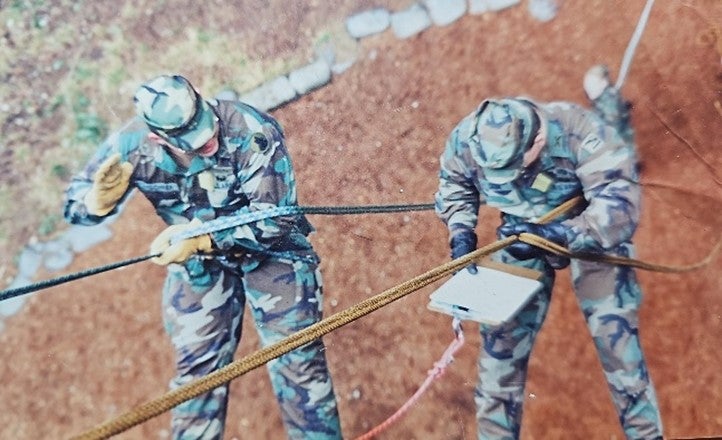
(608, 170)
(457, 200)
(267, 179)
(75, 211)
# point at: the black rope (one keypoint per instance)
(367, 209)
(320, 210)
(11, 293)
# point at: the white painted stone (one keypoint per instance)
(410, 22)
(445, 12)
(498, 5)
(309, 77)
(82, 238)
(271, 94)
(543, 10)
(478, 7)
(11, 306)
(57, 255)
(30, 260)
(227, 95)
(368, 23)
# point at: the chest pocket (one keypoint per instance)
(533, 187)
(565, 186)
(550, 184)
(220, 184)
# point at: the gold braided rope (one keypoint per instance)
(237, 368)
(613, 259)
(259, 358)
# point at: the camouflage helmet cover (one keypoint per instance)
(173, 110)
(501, 130)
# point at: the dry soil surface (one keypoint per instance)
(85, 351)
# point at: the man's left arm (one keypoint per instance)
(608, 170)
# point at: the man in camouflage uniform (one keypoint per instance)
(526, 158)
(197, 161)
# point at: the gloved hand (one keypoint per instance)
(109, 184)
(182, 250)
(552, 231)
(462, 243)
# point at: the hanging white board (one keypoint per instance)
(491, 296)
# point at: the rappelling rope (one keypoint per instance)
(17, 291)
(259, 358)
(255, 360)
(633, 42)
(554, 248)
(245, 217)
(458, 342)
(217, 225)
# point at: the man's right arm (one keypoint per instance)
(457, 199)
(77, 210)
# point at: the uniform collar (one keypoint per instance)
(556, 144)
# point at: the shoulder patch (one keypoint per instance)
(591, 143)
(259, 143)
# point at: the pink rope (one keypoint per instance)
(433, 374)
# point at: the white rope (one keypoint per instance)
(629, 53)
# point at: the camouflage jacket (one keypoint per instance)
(583, 156)
(251, 171)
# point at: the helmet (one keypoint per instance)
(173, 110)
(500, 132)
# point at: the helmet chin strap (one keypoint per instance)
(539, 141)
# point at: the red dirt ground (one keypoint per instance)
(86, 351)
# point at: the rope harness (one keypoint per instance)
(259, 358)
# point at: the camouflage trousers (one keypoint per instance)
(609, 297)
(203, 311)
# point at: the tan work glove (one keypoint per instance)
(182, 250)
(109, 184)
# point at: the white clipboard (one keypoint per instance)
(491, 296)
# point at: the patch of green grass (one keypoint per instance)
(324, 37)
(90, 128)
(204, 37)
(57, 102)
(24, 5)
(117, 76)
(85, 72)
(345, 47)
(6, 201)
(60, 171)
(49, 224)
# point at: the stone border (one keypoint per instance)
(407, 23)
(57, 254)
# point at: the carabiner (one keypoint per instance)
(456, 326)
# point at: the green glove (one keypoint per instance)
(109, 184)
(182, 250)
